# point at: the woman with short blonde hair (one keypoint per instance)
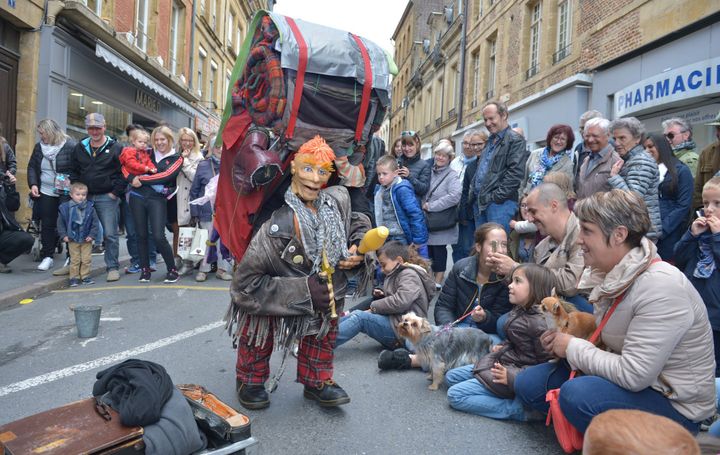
(189, 149)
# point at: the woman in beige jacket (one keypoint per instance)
(189, 147)
(658, 354)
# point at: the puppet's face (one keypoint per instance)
(308, 178)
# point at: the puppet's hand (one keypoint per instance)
(351, 261)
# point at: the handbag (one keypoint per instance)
(444, 219)
(61, 182)
(198, 247)
(568, 436)
(12, 197)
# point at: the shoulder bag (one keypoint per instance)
(444, 219)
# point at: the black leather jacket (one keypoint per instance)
(506, 171)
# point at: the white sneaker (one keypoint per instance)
(46, 264)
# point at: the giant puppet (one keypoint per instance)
(305, 102)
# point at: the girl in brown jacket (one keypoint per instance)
(486, 388)
(408, 287)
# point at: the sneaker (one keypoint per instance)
(328, 394)
(201, 276)
(4, 268)
(135, 268)
(74, 282)
(172, 276)
(97, 250)
(64, 270)
(46, 264)
(223, 275)
(144, 276)
(399, 359)
(87, 280)
(113, 275)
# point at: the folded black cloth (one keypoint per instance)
(136, 389)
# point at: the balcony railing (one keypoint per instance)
(562, 53)
(452, 113)
(438, 121)
(473, 104)
(533, 70)
(489, 94)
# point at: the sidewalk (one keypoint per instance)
(26, 282)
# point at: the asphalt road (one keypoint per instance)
(43, 365)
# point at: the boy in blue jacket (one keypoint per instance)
(78, 226)
(698, 255)
(397, 208)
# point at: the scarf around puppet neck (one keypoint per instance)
(320, 230)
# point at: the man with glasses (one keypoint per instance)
(582, 151)
(465, 165)
(708, 164)
(679, 133)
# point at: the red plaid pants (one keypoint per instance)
(314, 361)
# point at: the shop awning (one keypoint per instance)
(103, 51)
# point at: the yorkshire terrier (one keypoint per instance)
(564, 317)
(440, 349)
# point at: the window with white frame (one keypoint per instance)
(213, 14)
(492, 44)
(175, 25)
(535, 16)
(141, 24)
(238, 38)
(229, 30)
(476, 78)
(563, 31)
(211, 84)
(227, 87)
(202, 56)
(477, 9)
(94, 5)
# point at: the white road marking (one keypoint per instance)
(111, 319)
(102, 361)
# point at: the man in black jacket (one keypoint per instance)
(500, 170)
(13, 240)
(96, 163)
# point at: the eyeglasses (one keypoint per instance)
(477, 144)
(408, 133)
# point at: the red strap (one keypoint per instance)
(367, 88)
(605, 318)
(300, 79)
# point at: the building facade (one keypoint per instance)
(551, 60)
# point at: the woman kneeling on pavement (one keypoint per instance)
(658, 354)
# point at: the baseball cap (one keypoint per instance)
(715, 122)
(94, 120)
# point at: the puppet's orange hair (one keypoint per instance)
(317, 152)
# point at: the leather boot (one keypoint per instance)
(252, 396)
(328, 394)
(254, 165)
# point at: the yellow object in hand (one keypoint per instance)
(373, 239)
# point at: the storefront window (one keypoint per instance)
(80, 105)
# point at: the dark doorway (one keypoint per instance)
(8, 85)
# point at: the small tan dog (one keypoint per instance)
(564, 317)
(440, 349)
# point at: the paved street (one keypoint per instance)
(43, 364)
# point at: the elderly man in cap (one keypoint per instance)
(96, 164)
(708, 163)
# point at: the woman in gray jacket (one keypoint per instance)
(637, 171)
(444, 193)
(658, 354)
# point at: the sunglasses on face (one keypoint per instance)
(408, 133)
(671, 136)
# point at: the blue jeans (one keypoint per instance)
(108, 212)
(501, 325)
(467, 394)
(581, 303)
(587, 396)
(466, 239)
(496, 213)
(715, 427)
(376, 326)
(132, 239)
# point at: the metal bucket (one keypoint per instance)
(87, 320)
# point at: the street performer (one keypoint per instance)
(280, 293)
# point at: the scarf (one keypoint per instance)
(50, 151)
(544, 165)
(467, 160)
(76, 215)
(322, 230)
(687, 145)
(706, 263)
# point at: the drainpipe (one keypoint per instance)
(192, 46)
(463, 51)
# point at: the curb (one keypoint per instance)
(10, 299)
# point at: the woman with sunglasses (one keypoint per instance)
(412, 168)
